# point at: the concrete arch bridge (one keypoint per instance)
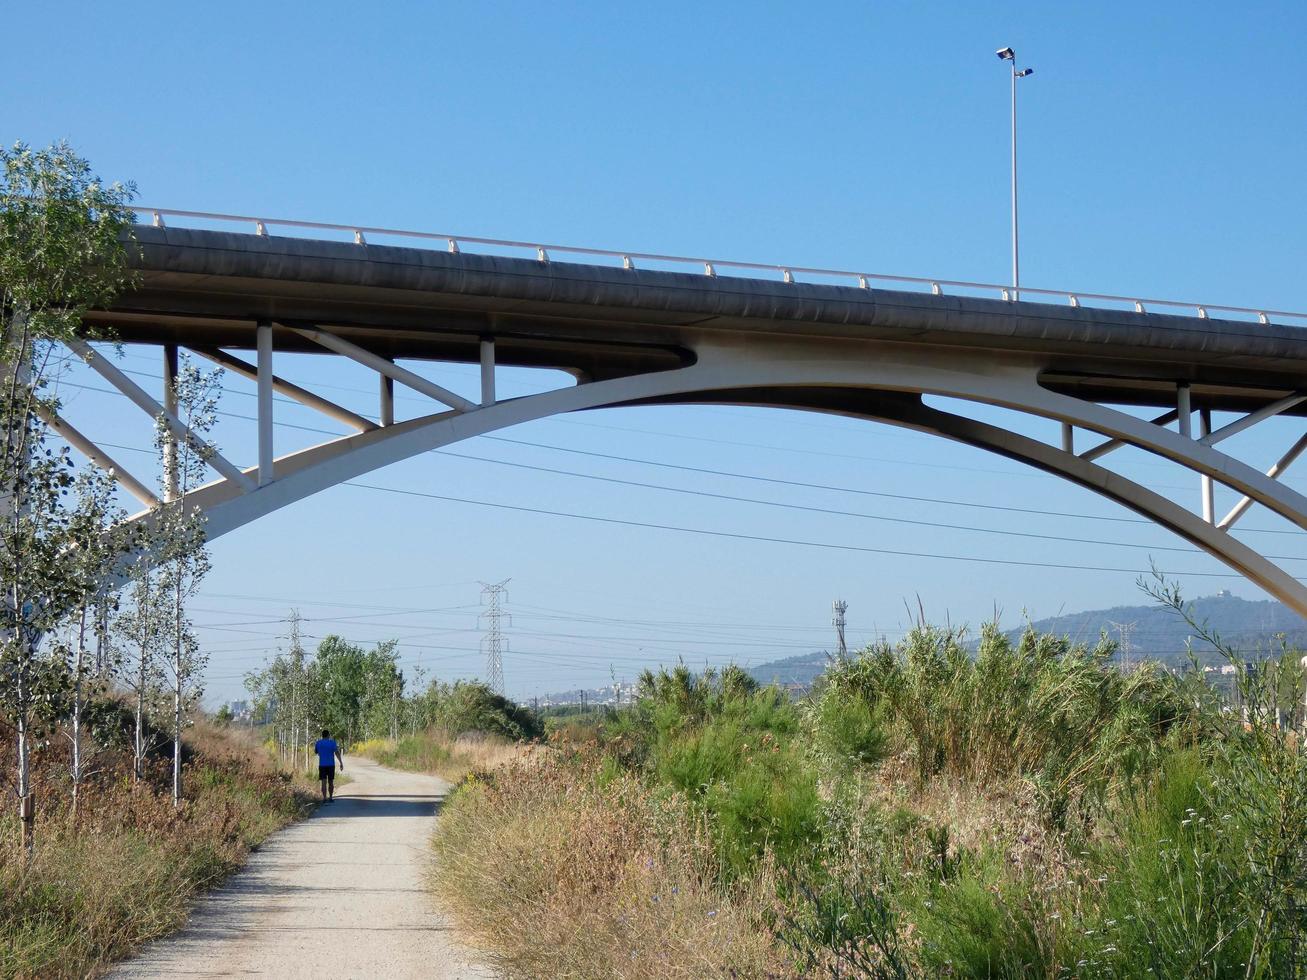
(638, 329)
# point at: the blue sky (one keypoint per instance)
(1162, 150)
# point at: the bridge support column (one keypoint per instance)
(171, 478)
(263, 341)
(387, 399)
(487, 371)
(1205, 481)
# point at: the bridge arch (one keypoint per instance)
(887, 389)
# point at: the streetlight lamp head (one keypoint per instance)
(1006, 54)
(1024, 72)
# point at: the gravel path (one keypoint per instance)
(337, 895)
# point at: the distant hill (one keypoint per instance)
(802, 670)
(1252, 627)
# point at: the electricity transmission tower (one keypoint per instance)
(1123, 631)
(840, 607)
(493, 643)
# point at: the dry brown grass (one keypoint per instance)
(124, 872)
(560, 876)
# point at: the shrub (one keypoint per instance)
(733, 750)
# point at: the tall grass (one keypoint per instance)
(1013, 808)
(1040, 708)
(563, 872)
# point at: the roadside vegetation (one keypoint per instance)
(932, 808)
(459, 729)
(371, 707)
(116, 873)
(118, 808)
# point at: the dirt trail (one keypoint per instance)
(337, 895)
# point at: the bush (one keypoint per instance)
(470, 707)
(733, 750)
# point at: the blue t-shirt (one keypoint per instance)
(326, 749)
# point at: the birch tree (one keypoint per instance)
(179, 541)
(60, 255)
(139, 628)
(97, 541)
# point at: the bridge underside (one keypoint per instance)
(649, 337)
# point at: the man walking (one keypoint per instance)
(328, 755)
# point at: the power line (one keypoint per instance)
(773, 540)
(821, 510)
(781, 482)
(847, 513)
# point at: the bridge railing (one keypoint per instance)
(712, 267)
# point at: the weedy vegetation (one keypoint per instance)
(121, 870)
(1006, 808)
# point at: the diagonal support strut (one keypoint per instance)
(95, 454)
(1282, 464)
(284, 387)
(101, 366)
(386, 368)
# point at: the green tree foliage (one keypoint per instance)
(100, 541)
(361, 694)
(469, 707)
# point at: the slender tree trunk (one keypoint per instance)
(138, 748)
(101, 638)
(26, 804)
(79, 667)
(294, 731)
(16, 459)
(178, 687)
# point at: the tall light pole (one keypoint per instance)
(1010, 56)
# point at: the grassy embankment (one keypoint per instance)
(450, 758)
(124, 871)
(1029, 811)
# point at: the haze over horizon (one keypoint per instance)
(838, 139)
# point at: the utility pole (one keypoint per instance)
(1123, 631)
(493, 643)
(839, 608)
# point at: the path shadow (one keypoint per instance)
(380, 806)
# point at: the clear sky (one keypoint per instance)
(1162, 154)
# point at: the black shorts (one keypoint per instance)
(327, 772)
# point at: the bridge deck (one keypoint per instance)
(203, 287)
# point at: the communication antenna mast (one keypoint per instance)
(493, 643)
(839, 608)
